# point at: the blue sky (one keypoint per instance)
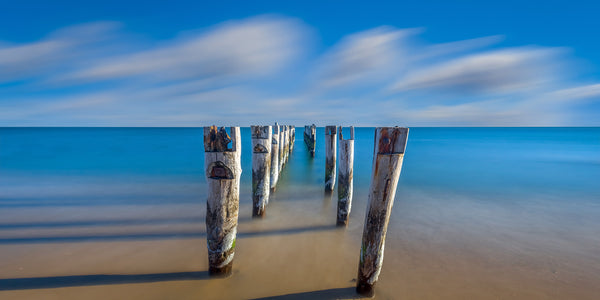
(193, 63)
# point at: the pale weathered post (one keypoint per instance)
(390, 143)
(330, 156)
(345, 178)
(261, 168)
(223, 170)
(285, 144)
(281, 144)
(310, 133)
(274, 157)
(288, 132)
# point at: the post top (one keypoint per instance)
(391, 140)
(351, 133)
(260, 132)
(330, 130)
(217, 139)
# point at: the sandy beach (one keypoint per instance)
(292, 254)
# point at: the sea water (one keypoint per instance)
(478, 212)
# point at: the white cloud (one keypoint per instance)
(583, 92)
(364, 56)
(442, 50)
(252, 47)
(506, 70)
(59, 50)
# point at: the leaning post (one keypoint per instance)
(261, 168)
(274, 157)
(223, 170)
(390, 143)
(345, 178)
(330, 157)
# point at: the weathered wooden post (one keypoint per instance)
(292, 138)
(285, 146)
(274, 157)
(330, 155)
(261, 168)
(281, 144)
(223, 170)
(288, 132)
(345, 178)
(310, 133)
(390, 143)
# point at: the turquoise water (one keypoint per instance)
(39, 164)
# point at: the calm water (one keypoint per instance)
(501, 195)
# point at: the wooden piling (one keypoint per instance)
(288, 132)
(330, 157)
(345, 178)
(310, 133)
(261, 168)
(281, 146)
(390, 143)
(223, 170)
(292, 138)
(274, 157)
(285, 145)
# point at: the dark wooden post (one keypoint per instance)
(345, 178)
(310, 133)
(261, 168)
(275, 157)
(288, 141)
(390, 143)
(223, 170)
(330, 157)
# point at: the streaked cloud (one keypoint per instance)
(364, 56)
(57, 52)
(252, 47)
(262, 69)
(505, 70)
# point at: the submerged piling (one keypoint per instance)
(310, 133)
(330, 157)
(345, 178)
(390, 143)
(223, 170)
(274, 157)
(261, 168)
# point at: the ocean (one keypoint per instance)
(479, 213)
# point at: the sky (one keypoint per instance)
(241, 63)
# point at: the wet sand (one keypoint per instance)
(465, 250)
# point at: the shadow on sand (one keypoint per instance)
(339, 293)
(157, 236)
(87, 280)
